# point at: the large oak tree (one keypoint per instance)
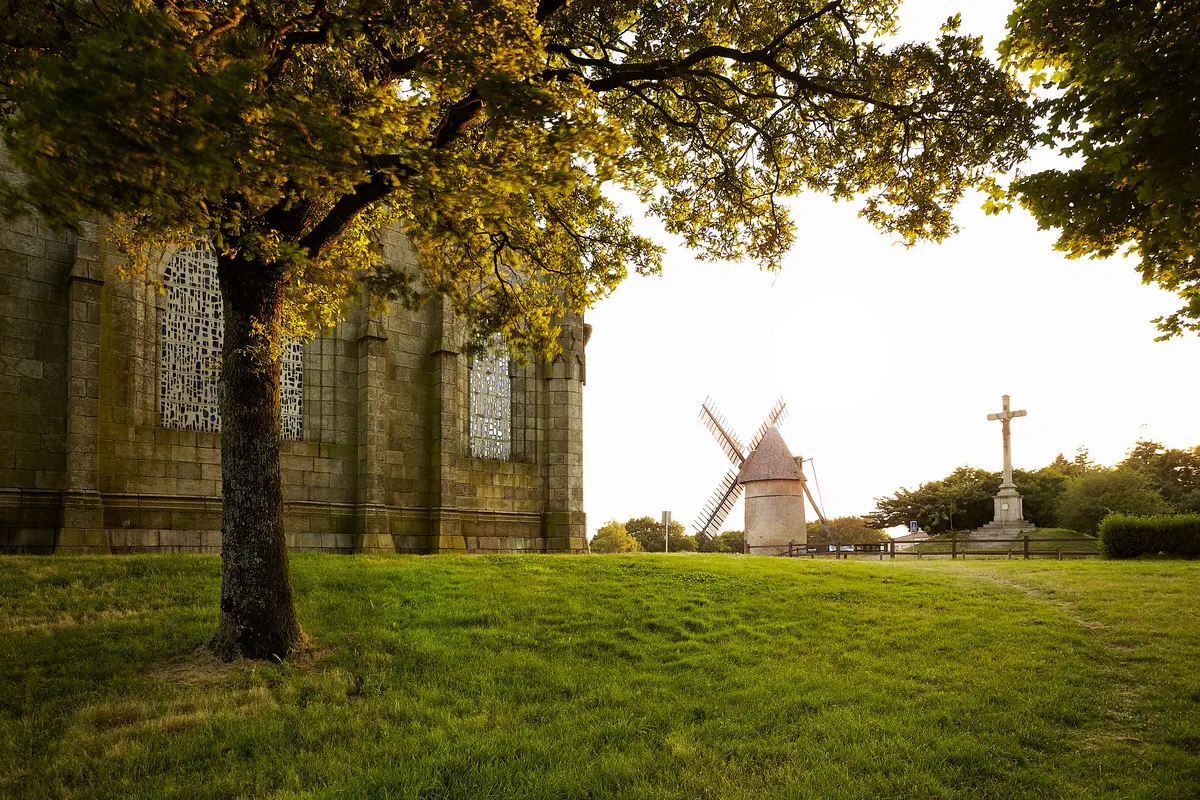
(285, 132)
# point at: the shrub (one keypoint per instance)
(1124, 536)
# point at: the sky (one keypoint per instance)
(890, 359)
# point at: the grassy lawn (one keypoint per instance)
(618, 676)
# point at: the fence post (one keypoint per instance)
(1026, 538)
(953, 547)
(791, 544)
(1058, 552)
(892, 547)
(745, 548)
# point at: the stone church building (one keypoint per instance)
(395, 438)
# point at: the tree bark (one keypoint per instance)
(258, 615)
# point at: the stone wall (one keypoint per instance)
(384, 464)
(35, 265)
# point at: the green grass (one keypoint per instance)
(609, 677)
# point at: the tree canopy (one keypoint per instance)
(287, 131)
(648, 532)
(1120, 81)
(723, 542)
(846, 530)
(1173, 472)
(960, 501)
(963, 499)
(1090, 498)
(611, 537)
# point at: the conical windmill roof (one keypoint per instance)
(770, 461)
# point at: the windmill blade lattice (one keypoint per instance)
(715, 421)
(709, 523)
(775, 416)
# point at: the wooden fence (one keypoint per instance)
(934, 548)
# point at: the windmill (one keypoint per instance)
(778, 510)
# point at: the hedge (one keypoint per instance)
(1124, 536)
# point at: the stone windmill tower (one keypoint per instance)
(772, 478)
(775, 489)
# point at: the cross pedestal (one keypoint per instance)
(1009, 509)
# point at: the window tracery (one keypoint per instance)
(191, 337)
(490, 404)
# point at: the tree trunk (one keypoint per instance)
(258, 616)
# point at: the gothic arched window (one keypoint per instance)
(190, 354)
(490, 431)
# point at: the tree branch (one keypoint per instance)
(459, 116)
(349, 206)
(292, 39)
(623, 75)
(235, 16)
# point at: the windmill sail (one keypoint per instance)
(714, 420)
(775, 416)
(709, 523)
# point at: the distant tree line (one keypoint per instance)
(645, 534)
(1072, 493)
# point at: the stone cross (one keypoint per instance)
(1005, 416)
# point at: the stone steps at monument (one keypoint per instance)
(1000, 530)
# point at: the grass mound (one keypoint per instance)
(1043, 542)
(629, 677)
